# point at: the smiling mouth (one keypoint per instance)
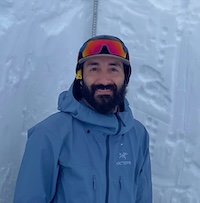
(104, 92)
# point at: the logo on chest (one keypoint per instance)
(123, 159)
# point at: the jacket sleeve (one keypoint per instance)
(39, 170)
(144, 192)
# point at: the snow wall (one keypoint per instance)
(39, 41)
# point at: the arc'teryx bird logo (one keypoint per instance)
(123, 159)
(123, 155)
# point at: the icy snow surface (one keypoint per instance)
(39, 41)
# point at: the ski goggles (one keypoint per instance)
(109, 46)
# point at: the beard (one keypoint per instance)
(104, 104)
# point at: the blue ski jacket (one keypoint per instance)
(81, 156)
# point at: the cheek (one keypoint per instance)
(120, 81)
(87, 81)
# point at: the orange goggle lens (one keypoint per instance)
(94, 47)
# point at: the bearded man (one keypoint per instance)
(92, 150)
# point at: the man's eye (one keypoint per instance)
(93, 69)
(114, 69)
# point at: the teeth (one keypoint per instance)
(106, 91)
(103, 90)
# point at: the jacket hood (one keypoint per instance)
(112, 124)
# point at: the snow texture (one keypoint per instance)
(39, 41)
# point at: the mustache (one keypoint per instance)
(112, 87)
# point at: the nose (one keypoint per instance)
(104, 78)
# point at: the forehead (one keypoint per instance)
(103, 59)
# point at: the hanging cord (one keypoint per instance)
(95, 14)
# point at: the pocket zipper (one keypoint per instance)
(94, 185)
(120, 189)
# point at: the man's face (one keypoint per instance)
(103, 83)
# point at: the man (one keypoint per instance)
(93, 150)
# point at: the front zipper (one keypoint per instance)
(94, 189)
(107, 168)
(120, 122)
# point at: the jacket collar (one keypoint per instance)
(115, 123)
